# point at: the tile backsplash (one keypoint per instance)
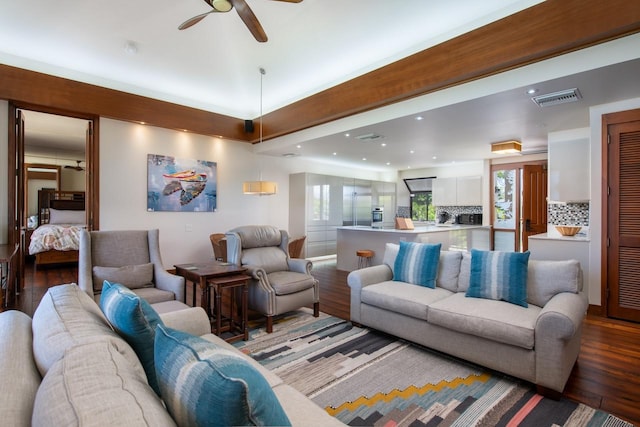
(569, 214)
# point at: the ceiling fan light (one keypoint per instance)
(221, 5)
(506, 147)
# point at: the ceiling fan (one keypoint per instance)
(243, 9)
(77, 167)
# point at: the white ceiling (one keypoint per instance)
(312, 45)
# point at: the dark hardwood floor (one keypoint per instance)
(606, 376)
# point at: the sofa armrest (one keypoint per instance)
(358, 279)
(192, 320)
(558, 335)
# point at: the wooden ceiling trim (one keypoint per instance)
(549, 29)
(30, 87)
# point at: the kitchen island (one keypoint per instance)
(452, 238)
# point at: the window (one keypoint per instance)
(422, 208)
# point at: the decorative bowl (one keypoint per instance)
(568, 230)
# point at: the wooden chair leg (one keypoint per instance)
(269, 324)
(316, 309)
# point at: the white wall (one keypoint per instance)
(123, 189)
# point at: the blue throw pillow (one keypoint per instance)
(134, 320)
(499, 276)
(205, 384)
(417, 263)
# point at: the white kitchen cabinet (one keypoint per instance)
(443, 192)
(457, 191)
(569, 171)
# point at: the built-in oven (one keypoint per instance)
(377, 217)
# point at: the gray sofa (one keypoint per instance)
(67, 366)
(539, 343)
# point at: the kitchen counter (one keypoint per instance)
(580, 237)
(451, 237)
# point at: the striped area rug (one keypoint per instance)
(367, 378)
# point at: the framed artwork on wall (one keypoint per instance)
(181, 185)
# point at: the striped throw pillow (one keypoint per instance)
(417, 263)
(205, 384)
(499, 276)
(135, 321)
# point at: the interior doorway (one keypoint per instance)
(53, 150)
(519, 204)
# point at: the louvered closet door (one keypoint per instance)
(623, 254)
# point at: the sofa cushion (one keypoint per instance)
(548, 278)
(203, 384)
(20, 378)
(495, 320)
(449, 270)
(94, 385)
(131, 276)
(290, 282)
(465, 272)
(135, 320)
(270, 258)
(67, 316)
(417, 263)
(499, 275)
(154, 295)
(410, 300)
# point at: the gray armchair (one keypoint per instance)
(279, 284)
(131, 258)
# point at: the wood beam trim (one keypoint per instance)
(30, 87)
(549, 29)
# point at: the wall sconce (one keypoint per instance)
(506, 147)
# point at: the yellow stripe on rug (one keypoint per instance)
(407, 393)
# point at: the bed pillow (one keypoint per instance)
(134, 320)
(131, 276)
(205, 384)
(417, 263)
(57, 216)
(499, 276)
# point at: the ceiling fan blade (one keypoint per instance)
(250, 20)
(193, 21)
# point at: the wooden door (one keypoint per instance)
(534, 202)
(623, 220)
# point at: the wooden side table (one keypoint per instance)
(8, 266)
(217, 276)
(234, 324)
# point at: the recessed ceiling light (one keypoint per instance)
(434, 157)
(347, 135)
(419, 118)
(388, 163)
(364, 158)
(335, 154)
(383, 144)
(411, 151)
(532, 91)
(298, 146)
(131, 48)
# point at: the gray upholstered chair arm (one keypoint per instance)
(300, 265)
(169, 282)
(85, 274)
(192, 320)
(260, 276)
(562, 316)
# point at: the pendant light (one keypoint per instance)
(259, 188)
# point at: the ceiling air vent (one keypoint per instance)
(555, 98)
(369, 137)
